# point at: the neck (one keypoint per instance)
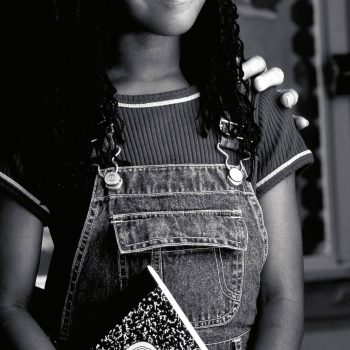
(146, 63)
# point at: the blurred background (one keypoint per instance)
(310, 41)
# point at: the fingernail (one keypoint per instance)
(295, 95)
(287, 100)
(290, 100)
(302, 123)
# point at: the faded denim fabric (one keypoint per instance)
(204, 237)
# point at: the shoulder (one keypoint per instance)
(269, 108)
(281, 150)
(19, 172)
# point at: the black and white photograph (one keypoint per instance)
(174, 175)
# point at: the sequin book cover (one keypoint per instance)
(150, 319)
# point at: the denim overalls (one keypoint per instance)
(204, 236)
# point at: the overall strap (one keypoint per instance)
(225, 140)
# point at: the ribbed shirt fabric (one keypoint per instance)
(164, 128)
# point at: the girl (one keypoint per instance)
(144, 152)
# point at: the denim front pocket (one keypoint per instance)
(202, 257)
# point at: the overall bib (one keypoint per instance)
(205, 238)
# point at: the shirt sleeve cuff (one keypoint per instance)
(298, 164)
(24, 197)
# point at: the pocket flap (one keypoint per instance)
(136, 232)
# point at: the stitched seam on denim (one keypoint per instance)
(143, 219)
(143, 249)
(229, 340)
(179, 166)
(161, 267)
(119, 264)
(176, 193)
(73, 284)
(263, 232)
(188, 250)
(128, 169)
(71, 291)
(221, 278)
(213, 323)
(66, 315)
(175, 166)
(231, 243)
(159, 245)
(241, 260)
(218, 321)
(123, 266)
(243, 277)
(170, 166)
(229, 315)
(258, 215)
(156, 261)
(161, 213)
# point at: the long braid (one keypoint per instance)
(237, 100)
(110, 123)
(91, 94)
(220, 75)
(235, 92)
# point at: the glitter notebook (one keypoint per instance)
(151, 320)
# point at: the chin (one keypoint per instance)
(165, 17)
(169, 27)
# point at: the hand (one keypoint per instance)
(265, 78)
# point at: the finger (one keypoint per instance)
(253, 66)
(272, 77)
(289, 98)
(300, 122)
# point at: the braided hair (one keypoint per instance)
(83, 99)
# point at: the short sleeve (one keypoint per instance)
(17, 179)
(282, 150)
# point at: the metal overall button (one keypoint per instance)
(235, 174)
(112, 180)
(111, 177)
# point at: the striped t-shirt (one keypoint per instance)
(163, 128)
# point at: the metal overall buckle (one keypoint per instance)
(235, 172)
(111, 177)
